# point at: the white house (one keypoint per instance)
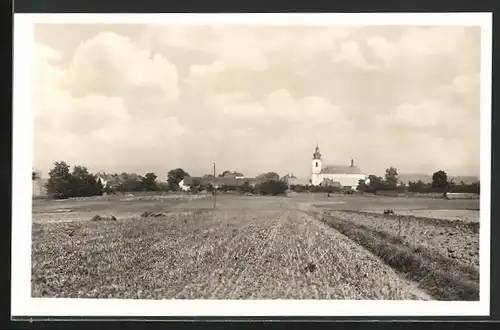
(347, 176)
(183, 186)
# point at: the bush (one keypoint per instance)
(299, 188)
(272, 187)
(227, 188)
(246, 188)
(324, 189)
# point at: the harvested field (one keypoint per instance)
(249, 248)
(442, 256)
(252, 247)
(454, 239)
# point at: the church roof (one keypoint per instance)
(317, 153)
(340, 169)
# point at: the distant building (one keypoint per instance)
(346, 176)
(183, 184)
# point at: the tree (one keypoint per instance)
(391, 177)
(148, 182)
(95, 187)
(269, 176)
(362, 186)
(440, 181)
(84, 184)
(374, 184)
(60, 181)
(81, 184)
(246, 187)
(174, 177)
(129, 182)
(272, 187)
(418, 186)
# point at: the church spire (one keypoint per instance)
(352, 162)
(317, 153)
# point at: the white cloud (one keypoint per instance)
(418, 45)
(463, 84)
(110, 61)
(279, 105)
(203, 77)
(250, 47)
(113, 105)
(350, 53)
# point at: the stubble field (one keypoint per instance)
(250, 247)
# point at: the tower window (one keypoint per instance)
(316, 164)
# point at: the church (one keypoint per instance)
(346, 176)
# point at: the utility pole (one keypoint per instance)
(215, 187)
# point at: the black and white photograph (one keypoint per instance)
(292, 164)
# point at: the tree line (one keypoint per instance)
(65, 182)
(440, 184)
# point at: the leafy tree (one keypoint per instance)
(95, 186)
(440, 181)
(174, 177)
(391, 177)
(418, 186)
(272, 187)
(60, 181)
(362, 186)
(148, 182)
(85, 184)
(246, 187)
(162, 186)
(268, 176)
(129, 182)
(375, 183)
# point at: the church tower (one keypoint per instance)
(316, 167)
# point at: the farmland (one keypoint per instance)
(249, 247)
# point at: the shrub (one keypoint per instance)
(324, 189)
(246, 188)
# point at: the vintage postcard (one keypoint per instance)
(251, 164)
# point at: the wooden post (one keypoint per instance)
(215, 188)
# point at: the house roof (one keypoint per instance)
(340, 169)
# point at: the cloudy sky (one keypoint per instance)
(144, 98)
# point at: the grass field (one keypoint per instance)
(250, 247)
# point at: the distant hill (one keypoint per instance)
(405, 177)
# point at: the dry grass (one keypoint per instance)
(439, 275)
(455, 239)
(263, 250)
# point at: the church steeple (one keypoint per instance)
(352, 162)
(317, 154)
